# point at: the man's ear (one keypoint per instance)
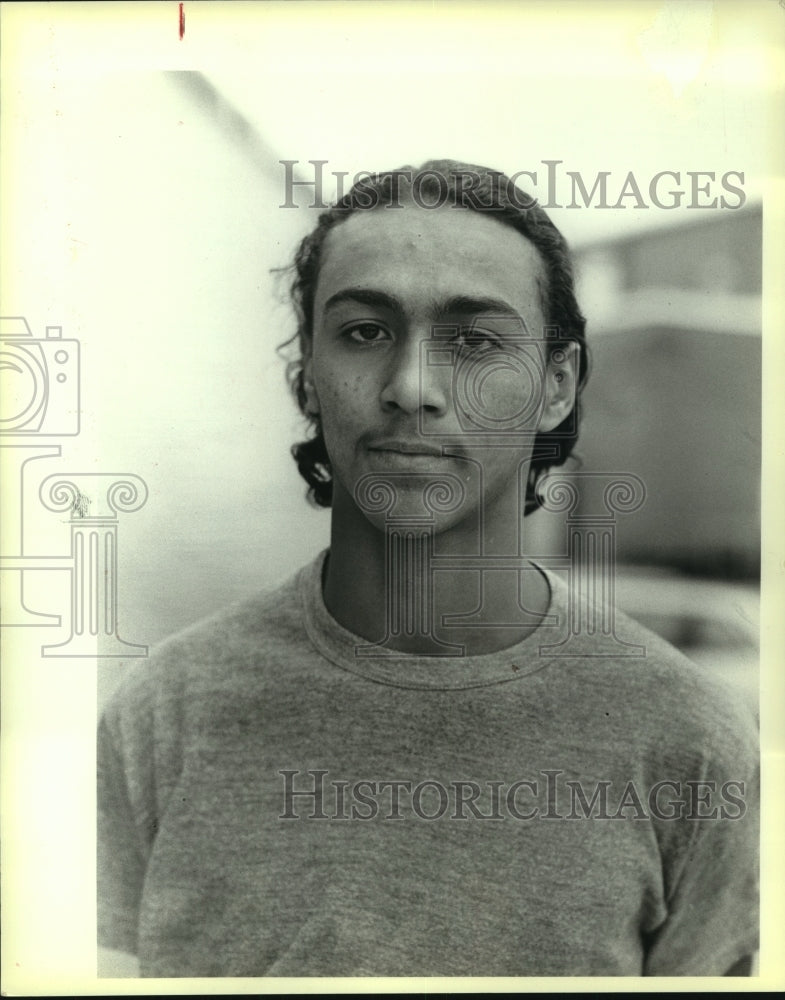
(561, 384)
(312, 399)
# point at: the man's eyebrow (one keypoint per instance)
(462, 305)
(365, 297)
(470, 305)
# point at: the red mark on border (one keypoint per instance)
(182, 22)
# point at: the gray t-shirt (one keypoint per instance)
(512, 814)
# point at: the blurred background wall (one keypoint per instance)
(675, 320)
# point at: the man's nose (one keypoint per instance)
(411, 384)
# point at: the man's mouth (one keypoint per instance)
(402, 447)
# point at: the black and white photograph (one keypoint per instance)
(392, 545)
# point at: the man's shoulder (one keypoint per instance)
(646, 686)
(203, 658)
(272, 613)
(685, 702)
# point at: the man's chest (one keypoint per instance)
(278, 861)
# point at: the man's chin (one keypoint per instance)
(407, 495)
(410, 523)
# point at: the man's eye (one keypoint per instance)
(474, 339)
(367, 333)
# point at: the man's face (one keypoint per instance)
(427, 335)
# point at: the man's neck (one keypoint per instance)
(393, 585)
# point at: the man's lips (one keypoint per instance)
(401, 447)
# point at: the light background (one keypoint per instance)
(144, 220)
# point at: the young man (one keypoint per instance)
(408, 760)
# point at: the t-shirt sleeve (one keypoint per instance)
(123, 846)
(120, 859)
(713, 915)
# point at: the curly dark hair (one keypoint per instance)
(492, 192)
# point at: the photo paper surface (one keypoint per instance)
(361, 749)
